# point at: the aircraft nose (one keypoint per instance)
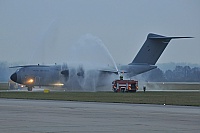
(13, 77)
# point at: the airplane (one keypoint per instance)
(50, 75)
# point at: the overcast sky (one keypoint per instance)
(35, 31)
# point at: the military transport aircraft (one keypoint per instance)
(43, 75)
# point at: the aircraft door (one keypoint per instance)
(37, 80)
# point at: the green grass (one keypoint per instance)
(168, 98)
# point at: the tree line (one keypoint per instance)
(179, 74)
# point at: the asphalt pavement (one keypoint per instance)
(47, 116)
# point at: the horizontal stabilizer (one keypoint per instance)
(155, 36)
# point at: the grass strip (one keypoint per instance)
(168, 98)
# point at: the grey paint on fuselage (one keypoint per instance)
(41, 75)
(135, 69)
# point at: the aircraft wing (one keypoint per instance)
(113, 71)
(30, 66)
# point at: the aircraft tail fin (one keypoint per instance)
(152, 49)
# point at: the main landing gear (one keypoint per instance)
(30, 88)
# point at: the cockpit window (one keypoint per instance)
(17, 70)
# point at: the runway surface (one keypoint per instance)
(47, 116)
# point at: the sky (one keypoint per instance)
(44, 31)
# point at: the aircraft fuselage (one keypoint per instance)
(37, 75)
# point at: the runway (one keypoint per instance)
(47, 116)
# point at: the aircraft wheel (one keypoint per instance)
(29, 88)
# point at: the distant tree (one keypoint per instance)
(169, 75)
(3, 71)
(178, 73)
(195, 74)
(155, 75)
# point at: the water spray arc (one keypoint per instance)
(90, 55)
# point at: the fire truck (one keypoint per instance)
(125, 85)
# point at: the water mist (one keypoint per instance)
(85, 58)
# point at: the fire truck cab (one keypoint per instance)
(125, 85)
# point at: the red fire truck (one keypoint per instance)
(125, 85)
